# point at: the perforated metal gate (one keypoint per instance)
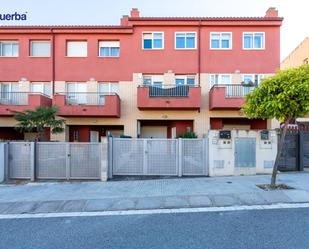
(20, 160)
(48, 160)
(158, 157)
(245, 152)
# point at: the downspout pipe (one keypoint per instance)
(53, 61)
(199, 52)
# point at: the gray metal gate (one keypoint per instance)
(158, 157)
(20, 159)
(245, 152)
(304, 149)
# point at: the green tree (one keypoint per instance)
(284, 96)
(38, 120)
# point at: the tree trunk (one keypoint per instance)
(280, 147)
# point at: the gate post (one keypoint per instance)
(110, 149)
(32, 161)
(180, 156)
(67, 160)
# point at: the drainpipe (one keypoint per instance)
(199, 52)
(53, 61)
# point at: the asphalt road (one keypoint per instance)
(285, 228)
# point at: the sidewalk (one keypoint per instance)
(51, 197)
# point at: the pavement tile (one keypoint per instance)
(48, 207)
(124, 204)
(175, 202)
(251, 199)
(275, 196)
(73, 206)
(199, 201)
(224, 200)
(22, 208)
(150, 203)
(297, 195)
(98, 205)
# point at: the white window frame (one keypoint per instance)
(219, 79)
(44, 87)
(109, 87)
(253, 33)
(69, 56)
(220, 39)
(186, 32)
(101, 56)
(161, 76)
(41, 41)
(152, 32)
(185, 78)
(9, 42)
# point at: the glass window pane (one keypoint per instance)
(7, 49)
(15, 49)
(157, 84)
(180, 42)
(180, 82)
(157, 43)
(258, 41)
(77, 49)
(147, 44)
(40, 49)
(248, 79)
(157, 36)
(191, 81)
(215, 44)
(105, 52)
(147, 80)
(37, 88)
(115, 52)
(247, 40)
(225, 79)
(191, 41)
(225, 44)
(115, 88)
(104, 87)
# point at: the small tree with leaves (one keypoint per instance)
(38, 120)
(284, 96)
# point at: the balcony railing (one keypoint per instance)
(16, 98)
(169, 90)
(235, 90)
(77, 98)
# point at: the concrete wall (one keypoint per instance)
(222, 153)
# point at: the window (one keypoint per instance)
(109, 48)
(253, 40)
(221, 40)
(153, 80)
(76, 93)
(185, 80)
(185, 40)
(109, 87)
(77, 49)
(8, 49)
(40, 48)
(254, 79)
(220, 79)
(41, 87)
(153, 40)
(305, 61)
(9, 94)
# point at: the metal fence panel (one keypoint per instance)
(51, 160)
(19, 162)
(289, 156)
(85, 160)
(128, 156)
(194, 157)
(162, 157)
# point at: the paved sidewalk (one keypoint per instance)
(50, 197)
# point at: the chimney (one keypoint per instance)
(271, 12)
(135, 12)
(124, 21)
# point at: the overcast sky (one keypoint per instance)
(45, 12)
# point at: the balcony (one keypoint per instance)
(169, 97)
(21, 101)
(87, 104)
(225, 97)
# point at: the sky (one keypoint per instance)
(90, 12)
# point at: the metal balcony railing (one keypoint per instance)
(77, 98)
(235, 90)
(169, 90)
(14, 98)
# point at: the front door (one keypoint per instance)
(94, 136)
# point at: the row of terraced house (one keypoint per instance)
(149, 77)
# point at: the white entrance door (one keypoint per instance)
(94, 136)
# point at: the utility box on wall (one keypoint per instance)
(243, 152)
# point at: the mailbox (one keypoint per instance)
(264, 135)
(225, 134)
